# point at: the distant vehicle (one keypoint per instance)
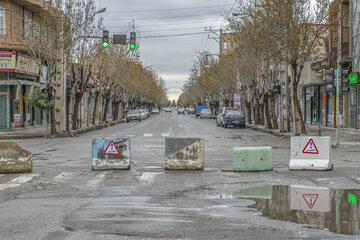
(234, 118)
(147, 112)
(190, 110)
(198, 110)
(133, 115)
(220, 115)
(143, 114)
(181, 111)
(205, 113)
(167, 109)
(155, 111)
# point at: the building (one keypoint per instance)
(354, 88)
(19, 72)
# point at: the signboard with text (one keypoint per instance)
(7, 61)
(27, 65)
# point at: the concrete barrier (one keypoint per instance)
(111, 154)
(184, 154)
(310, 153)
(310, 198)
(14, 159)
(252, 159)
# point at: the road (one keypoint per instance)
(64, 199)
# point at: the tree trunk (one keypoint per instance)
(272, 111)
(295, 105)
(76, 111)
(116, 111)
(107, 100)
(68, 98)
(248, 112)
(95, 107)
(266, 112)
(257, 111)
(262, 114)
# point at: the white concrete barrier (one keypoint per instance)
(310, 153)
(111, 154)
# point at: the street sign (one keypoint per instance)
(310, 199)
(111, 149)
(353, 78)
(119, 39)
(310, 147)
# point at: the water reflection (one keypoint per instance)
(323, 208)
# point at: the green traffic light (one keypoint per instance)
(105, 44)
(132, 45)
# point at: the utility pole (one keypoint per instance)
(337, 100)
(218, 38)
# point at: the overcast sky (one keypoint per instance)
(170, 57)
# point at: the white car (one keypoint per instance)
(205, 113)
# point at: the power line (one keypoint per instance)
(165, 24)
(173, 29)
(173, 35)
(166, 10)
(127, 19)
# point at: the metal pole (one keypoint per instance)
(337, 101)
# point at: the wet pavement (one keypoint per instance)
(64, 199)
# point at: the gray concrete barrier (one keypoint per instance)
(111, 154)
(184, 154)
(14, 159)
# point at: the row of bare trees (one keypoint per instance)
(267, 35)
(63, 36)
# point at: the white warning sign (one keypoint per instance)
(310, 147)
(111, 149)
(310, 199)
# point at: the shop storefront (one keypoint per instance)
(19, 75)
(314, 110)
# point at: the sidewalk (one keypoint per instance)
(347, 136)
(42, 131)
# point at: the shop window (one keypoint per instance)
(2, 20)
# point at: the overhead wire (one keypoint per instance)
(166, 10)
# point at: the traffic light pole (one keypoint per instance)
(337, 101)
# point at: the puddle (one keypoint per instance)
(336, 210)
(233, 138)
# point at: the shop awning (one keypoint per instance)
(19, 82)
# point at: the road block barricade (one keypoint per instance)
(310, 153)
(111, 154)
(184, 154)
(252, 159)
(14, 159)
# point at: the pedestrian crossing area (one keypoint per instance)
(86, 179)
(148, 135)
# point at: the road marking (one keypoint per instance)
(165, 134)
(16, 182)
(61, 176)
(129, 136)
(147, 134)
(97, 179)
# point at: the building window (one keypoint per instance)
(2, 20)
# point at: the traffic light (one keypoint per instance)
(132, 40)
(105, 40)
(344, 80)
(330, 77)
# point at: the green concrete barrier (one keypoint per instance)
(252, 159)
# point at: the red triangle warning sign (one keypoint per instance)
(111, 149)
(310, 199)
(310, 147)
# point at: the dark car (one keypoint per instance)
(220, 115)
(181, 111)
(234, 118)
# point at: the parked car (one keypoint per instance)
(155, 111)
(133, 115)
(205, 113)
(190, 110)
(143, 114)
(220, 115)
(181, 111)
(198, 110)
(167, 109)
(147, 112)
(234, 118)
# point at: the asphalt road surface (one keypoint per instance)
(64, 199)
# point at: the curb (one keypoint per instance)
(72, 133)
(268, 131)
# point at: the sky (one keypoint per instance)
(171, 57)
